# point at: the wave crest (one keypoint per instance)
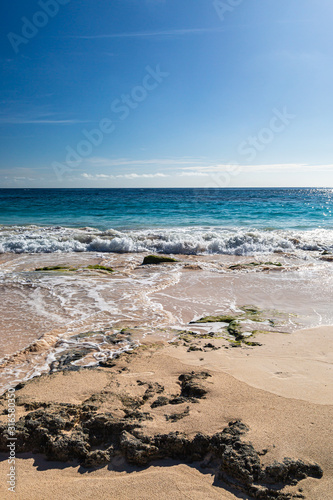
(188, 241)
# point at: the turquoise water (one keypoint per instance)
(184, 220)
(148, 208)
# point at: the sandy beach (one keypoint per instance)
(265, 395)
(166, 250)
(278, 422)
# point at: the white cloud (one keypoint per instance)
(96, 161)
(254, 168)
(123, 176)
(181, 168)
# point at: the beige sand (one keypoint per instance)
(289, 416)
(297, 365)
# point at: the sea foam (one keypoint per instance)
(188, 241)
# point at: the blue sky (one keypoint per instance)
(166, 93)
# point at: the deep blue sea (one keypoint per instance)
(239, 221)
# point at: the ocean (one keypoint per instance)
(268, 248)
(188, 221)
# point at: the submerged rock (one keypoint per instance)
(215, 319)
(98, 267)
(56, 268)
(157, 259)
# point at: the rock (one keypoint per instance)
(98, 267)
(56, 268)
(108, 363)
(138, 415)
(211, 346)
(64, 362)
(194, 348)
(97, 458)
(190, 385)
(327, 258)
(235, 330)
(215, 319)
(152, 389)
(67, 432)
(174, 417)
(136, 451)
(157, 259)
(290, 471)
(160, 401)
(178, 400)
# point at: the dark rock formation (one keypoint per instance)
(191, 387)
(157, 259)
(65, 432)
(174, 417)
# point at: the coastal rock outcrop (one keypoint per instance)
(65, 432)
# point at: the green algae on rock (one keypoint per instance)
(249, 265)
(56, 268)
(237, 328)
(215, 319)
(98, 267)
(234, 328)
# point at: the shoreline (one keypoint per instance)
(49, 309)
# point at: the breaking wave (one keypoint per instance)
(188, 241)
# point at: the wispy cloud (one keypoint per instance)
(157, 162)
(124, 176)
(206, 170)
(186, 167)
(147, 34)
(22, 121)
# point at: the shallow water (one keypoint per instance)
(86, 309)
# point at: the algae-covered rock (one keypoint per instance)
(215, 319)
(253, 313)
(235, 330)
(56, 268)
(98, 267)
(327, 258)
(157, 259)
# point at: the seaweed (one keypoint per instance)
(216, 319)
(98, 267)
(56, 268)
